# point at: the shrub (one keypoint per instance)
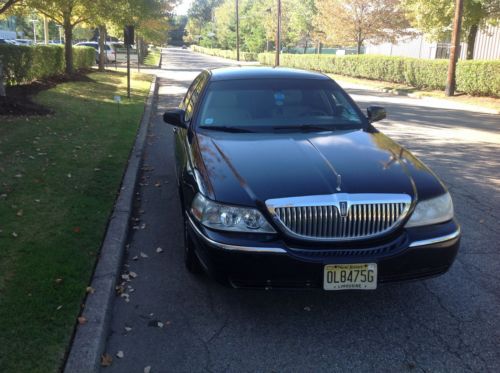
(480, 78)
(24, 64)
(225, 53)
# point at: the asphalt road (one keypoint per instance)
(450, 323)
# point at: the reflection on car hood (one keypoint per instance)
(250, 168)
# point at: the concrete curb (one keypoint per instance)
(90, 338)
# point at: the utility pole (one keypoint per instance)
(34, 30)
(455, 45)
(237, 32)
(46, 30)
(278, 37)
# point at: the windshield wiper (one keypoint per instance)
(306, 127)
(227, 129)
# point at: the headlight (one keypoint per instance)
(432, 211)
(229, 218)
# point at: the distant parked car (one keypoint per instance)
(110, 51)
(24, 41)
(3, 41)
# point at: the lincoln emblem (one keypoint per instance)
(343, 209)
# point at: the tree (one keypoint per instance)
(301, 21)
(7, 4)
(68, 13)
(347, 22)
(435, 18)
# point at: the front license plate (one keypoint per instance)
(361, 276)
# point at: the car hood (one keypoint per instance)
(250, 168)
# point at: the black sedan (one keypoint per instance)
(284, 182)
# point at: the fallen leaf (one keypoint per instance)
(106, 360)
(147, 369)
(119, 289)
(69, 176)
(160, 324)
(125, 277)
(143, 255)
(133, 274)
(90, 290)
(58, 280)
(128, 329)
(59, 307)
(307, 308)
(14, 234)
(76, 229)
(120, 354)
(157, 184)
(159, 250)
(20, 213)
(82, 320)
(135, 257)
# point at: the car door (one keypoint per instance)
(183, 151)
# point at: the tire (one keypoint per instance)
(191, 261)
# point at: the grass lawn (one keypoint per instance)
(153, 58)
(59, 177)
(487, 102)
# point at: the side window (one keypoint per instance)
(194, 95)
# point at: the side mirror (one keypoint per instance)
(175, 117)
(375, 113)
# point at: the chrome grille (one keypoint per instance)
(324, 221)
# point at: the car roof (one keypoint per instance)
(257, 72)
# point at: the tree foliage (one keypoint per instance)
(5, 5)
(212, 23)
(344, 22)
(435, 17)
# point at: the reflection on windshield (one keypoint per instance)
(264, 104)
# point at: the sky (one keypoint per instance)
(183, 7)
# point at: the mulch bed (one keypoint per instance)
(18, 100)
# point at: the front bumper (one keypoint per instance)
(270, 263)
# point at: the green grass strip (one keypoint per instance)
(59, 177)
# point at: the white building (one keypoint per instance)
(487, 47)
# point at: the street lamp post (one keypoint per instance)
(60, 33)
(237, 32)
(34, 29)
(278, 36)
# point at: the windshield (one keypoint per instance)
(276, 104)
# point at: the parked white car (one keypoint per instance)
(110, 51)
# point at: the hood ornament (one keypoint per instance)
(339, 182)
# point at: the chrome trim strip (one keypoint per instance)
(434, 240)
(247, 249)
(334, 200)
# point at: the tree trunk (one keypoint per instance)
(102, 50)
(2, 85)
(68, 46)
(359, 45)
(305, 47)
(471, 41)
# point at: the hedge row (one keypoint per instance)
(480, 78)
(244, 56)
(24, 64)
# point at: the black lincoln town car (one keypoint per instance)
(284, 182)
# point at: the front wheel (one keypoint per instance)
(191, 261)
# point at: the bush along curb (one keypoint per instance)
(24, 64)
(90, 337)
